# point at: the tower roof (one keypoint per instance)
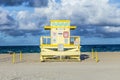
(59, 20)
(59, 24)
(50, 27)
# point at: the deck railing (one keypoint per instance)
(47, 40)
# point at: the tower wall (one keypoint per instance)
(61, 33)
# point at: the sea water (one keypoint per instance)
(36, 49)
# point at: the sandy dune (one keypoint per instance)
(32, 69)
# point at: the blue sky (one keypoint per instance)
(22, 21)
(114, 1)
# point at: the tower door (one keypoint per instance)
(60, 38)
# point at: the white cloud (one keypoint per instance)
(112, 29)
(26, 21)
(80, 12)
(6, 21)
(4, 16)
(89, 15)
(22, 14)
(85, 14)
(93, 12)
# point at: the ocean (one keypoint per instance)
(36, 49)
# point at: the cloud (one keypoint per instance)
(90, 16)
(26, 21)
(109, 31)
(112, 29)
(22, 24)
(96, 18)
(6, 21)
(30, 3)
(38, 3)
(83, 12)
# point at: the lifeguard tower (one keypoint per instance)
(59, 45)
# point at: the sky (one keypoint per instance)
(22, 21)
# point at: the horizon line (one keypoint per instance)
(39, 45)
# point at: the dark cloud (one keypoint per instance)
(10, 21)
(96, 31)
(31, 3)
(16, 32)
(38, 3)
(106, 33)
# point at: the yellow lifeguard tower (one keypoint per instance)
(60, 45)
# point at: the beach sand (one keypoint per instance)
(108, 68)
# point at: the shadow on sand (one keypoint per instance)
(84, 56)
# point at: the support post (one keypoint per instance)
(20, 56)
(93, 54)
(79, 59)
(96, 57)
(41, 58)
(60, 58)
(13, 58)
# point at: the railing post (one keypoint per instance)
(41, 40)
(46, 39)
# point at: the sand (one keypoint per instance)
(108, 68)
